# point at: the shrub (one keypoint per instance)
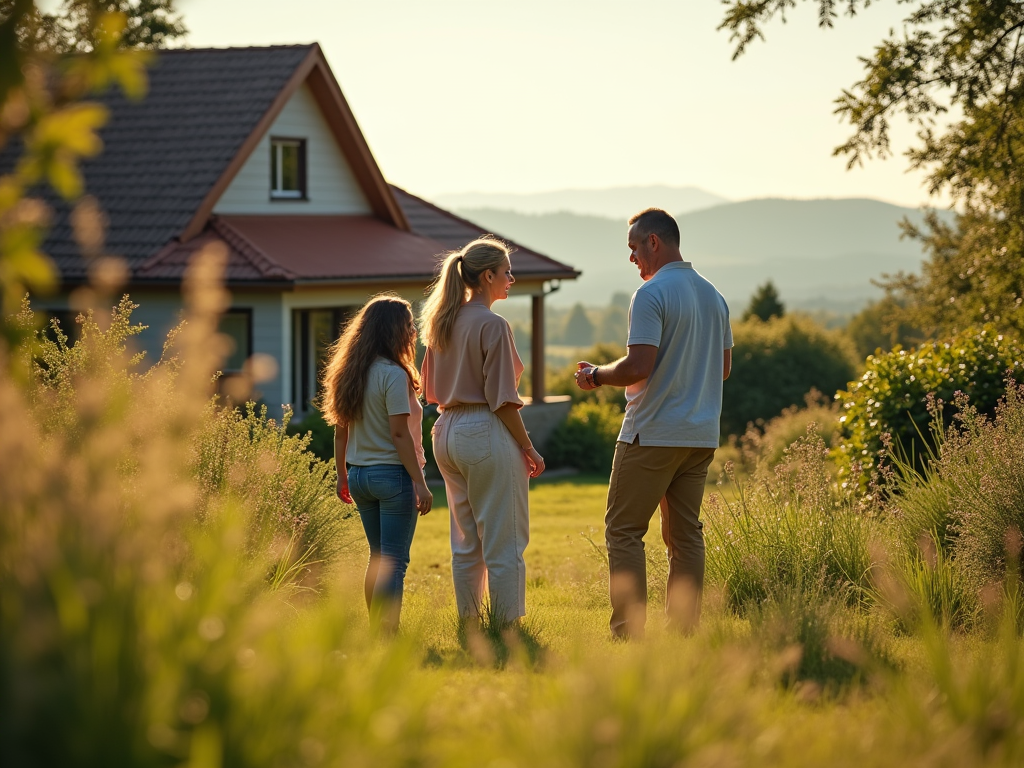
(892, 397)
(776, 363)
(586, 439)
(321, 434)
(564, 383)
(768, 446)
(970, 499)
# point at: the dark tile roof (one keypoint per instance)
(453, 232)
(163, 154)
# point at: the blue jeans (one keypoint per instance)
(386, 503)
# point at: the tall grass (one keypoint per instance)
(789, 529)
(142, 532)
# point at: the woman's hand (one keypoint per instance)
(343, 492)
(534, 461)
(424, 498)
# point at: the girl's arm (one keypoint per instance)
(340, 445)
(511, 418)
(402, 438)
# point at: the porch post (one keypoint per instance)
(537, 349)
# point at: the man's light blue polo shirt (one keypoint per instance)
(686, 318)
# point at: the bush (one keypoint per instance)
(768, 446)
(775, 365)
(893, 396)
(321, 434)
(970, 499)
(564, 383)
(586, 439)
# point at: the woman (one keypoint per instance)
(369, 395)
(471, 370)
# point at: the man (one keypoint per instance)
(679, 353)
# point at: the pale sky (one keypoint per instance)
(535, 95)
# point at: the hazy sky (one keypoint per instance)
(532, 95)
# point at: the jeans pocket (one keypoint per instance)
(473, 442)
(384, 481)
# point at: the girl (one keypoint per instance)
(369, 396)
(471, 370)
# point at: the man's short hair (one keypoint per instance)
(655, 221)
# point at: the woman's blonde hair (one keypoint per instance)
(382, 328)
(460, 271)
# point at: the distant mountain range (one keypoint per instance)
(615, 203)
(821, 254)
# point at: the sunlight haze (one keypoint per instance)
(460, 96)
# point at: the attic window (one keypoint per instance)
(288, 169)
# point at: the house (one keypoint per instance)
(256, 148)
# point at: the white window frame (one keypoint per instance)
(276, 164)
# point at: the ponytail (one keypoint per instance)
(460, 272)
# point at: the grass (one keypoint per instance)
(177, 591)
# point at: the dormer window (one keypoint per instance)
(288, 169)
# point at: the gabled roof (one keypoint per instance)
(341, 249)
(168, 158)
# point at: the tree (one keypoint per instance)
(43, 101)
(765, 303)
(879, 327)
(148, 24)
(579, 331)
(960, 57)
(776, 363)
(613, 326)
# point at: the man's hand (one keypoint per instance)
(585, 375)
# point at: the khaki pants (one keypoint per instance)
(643, 477)
(488, 484)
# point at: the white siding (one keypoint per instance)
(330, 184)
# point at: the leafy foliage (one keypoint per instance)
(586, 439)
(765, 303)
(894, 396)
(775, 365)
(148, 24)
(43, 101)
(963, 57)
(563, 382)
(880, 326)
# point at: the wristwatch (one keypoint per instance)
(593, 376)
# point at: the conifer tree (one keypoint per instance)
(765, 303)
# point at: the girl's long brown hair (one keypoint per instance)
(460, 271)
(382, 328)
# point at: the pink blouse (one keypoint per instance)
(480, 365)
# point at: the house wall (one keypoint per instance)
(331, 186)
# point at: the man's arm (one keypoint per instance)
(727, 369)
(635, 366)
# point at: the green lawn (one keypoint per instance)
(566, 594)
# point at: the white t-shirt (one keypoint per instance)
(685, 317)
(388, 393)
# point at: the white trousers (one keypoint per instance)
(488, 482)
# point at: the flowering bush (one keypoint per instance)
(893, 396)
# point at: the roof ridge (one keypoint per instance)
(265, 265)
(474, 225)
(227, 48)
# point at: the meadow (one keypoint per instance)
(181, 586)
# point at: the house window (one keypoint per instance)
(236, 324)
(288, 169)
(314, 330)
